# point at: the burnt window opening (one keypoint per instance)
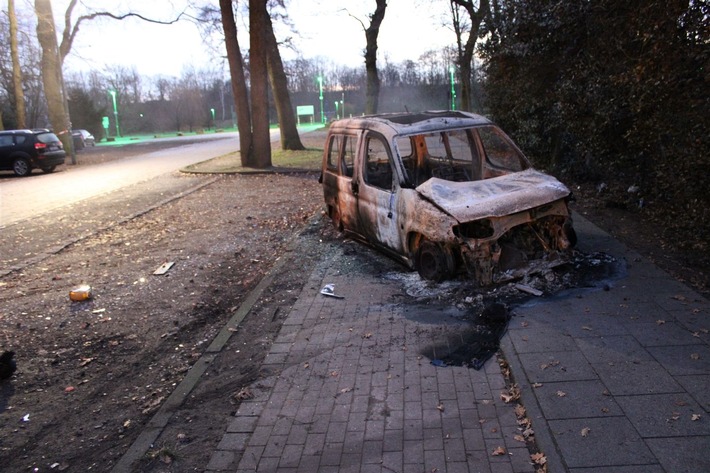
(341, 154)
(378, 170)
(450, 155)
(334, 146)
(349, 151)
(500, 151)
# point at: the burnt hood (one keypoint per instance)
(495, 197)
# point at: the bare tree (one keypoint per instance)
(279, 85)
(52, 73)
(239, 86)
(72, 28)
(466, 50)
(258, 20)
(20, 110)
(371, 33)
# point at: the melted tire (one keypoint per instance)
(434, 262)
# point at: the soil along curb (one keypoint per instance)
(155, 426)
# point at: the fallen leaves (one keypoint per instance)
(585, 431)
(520, 411)
(551, 364)
(695, 417)
(513, 394)
(561, 394)
(538, 458)
(498, 451)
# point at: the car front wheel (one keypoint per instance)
(21, 167)
(434, 261)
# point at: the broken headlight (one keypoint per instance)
(477, 229)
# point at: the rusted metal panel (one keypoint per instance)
(496, 197)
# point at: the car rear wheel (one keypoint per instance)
(49, 169)
(21, 167)
(434, 261)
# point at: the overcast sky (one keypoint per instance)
(324, 28)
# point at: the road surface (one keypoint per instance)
(24, 198)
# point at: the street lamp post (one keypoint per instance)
(336, 110)
(453, 90)
(320, 86)
(115, 112)
(212, 112)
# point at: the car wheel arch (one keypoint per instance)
(431, 259)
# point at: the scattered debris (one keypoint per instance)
(438, 363)
(329, 290)
(529, 290)
(243, 394)
(26, 418)
(80, 293)
(164, 268)
(585, 431)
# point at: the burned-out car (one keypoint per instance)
(444, 192)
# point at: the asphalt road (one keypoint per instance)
(25, 198)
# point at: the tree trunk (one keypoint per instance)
(52, 73)
(373, 79)
(465, 58)
(16, 71)
(279, 85)
(239, 87)
(258, 17)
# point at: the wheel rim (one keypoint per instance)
(21, 167)
(434, 262)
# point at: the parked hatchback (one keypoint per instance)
(445, 192)
(24, 150)
(82, 139)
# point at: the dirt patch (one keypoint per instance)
(90, 374)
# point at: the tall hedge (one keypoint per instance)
(612, 91)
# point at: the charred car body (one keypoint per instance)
(444, 192)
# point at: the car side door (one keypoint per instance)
(338, 185)
(377, 193)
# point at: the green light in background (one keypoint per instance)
(115, 111)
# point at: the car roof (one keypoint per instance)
(408, 123)
(14, 132)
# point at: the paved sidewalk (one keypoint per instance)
(614, 381)
(618, 380)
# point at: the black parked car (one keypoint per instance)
(23, 150)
